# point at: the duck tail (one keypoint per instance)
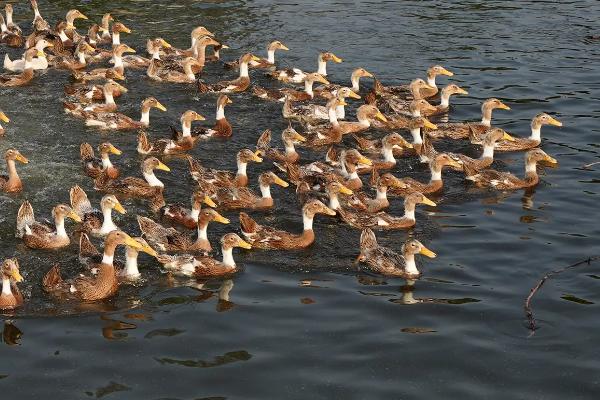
(264, 141)
(25, 218)
(86, 247)
(332, 156)
(260, 92)
(52, 280)
(144, 146)
(203, 87)
(79, 201)
(157, 202)
(374, 176)
(175, 134)
(86, 151)
(367, 239)
(247, 224)
(101, 182)
(148, 227)
(69, 107)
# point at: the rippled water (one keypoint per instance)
(307, 324)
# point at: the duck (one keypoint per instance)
(387, 159)
(95, 222)
(291, 94)
(365, 115)
(444, 105)
(380, 202)
(222, 127)
(398, 103)
(11, 183)
(296, 75)
(268, 238)
(86, 93)
(435, 183)
(180, 215)
(153, 47)
(216, 55)
(237, 198)
(37, 63)
(466, 130)
(125, 273)
(506, 181)
(179, 144)
(11, 296)
(237, 85)
(36, 15)
(170, 239)
(289, 137)
(116, 30)
(381, 219)
(326, 134)
(330, 90)
(173, 76)
(316, 113)
(11, 33)
(37, 235)
(109, 105)
(106, 37)
(386, 261)
(117, 121)
(218, 178)
(100, 73)
(4, 118)
(533, 140)
(77, 61)
(415, 127)
(148, 188)
(196, 34)
(205, 266)
(93, 166)
(11, 80)
(262, 63)
(473, 165)
(103, 285)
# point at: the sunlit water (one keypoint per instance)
(308, 325)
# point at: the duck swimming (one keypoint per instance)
(180, 215)
(289, 137)
(11, 296)
(472, 165)
(389, 263)
(11, 183)
(182, 143)
(444, 105)
(295, 75)
(291, 94)
(11, 80)
(532, 141)
(262, 63)
(328, 91)
(221, 128)
(268, 238)
(237, 85)
(173, 76)
(316, 113)
(37, 235)
(93, 166)
(435, 183)
(117, 121)
(242, 197)
(95, 222)
(37, 63)
(218, 178)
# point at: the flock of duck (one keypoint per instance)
(332, 187)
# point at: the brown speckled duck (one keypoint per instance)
(11, 296)
(472, 165)
(435, 183)
(444, 105)
(37, 235)
(95, 222)
(328, 91)
(532, 141)
(11, 183)
(237, 85)
(289, 137)
(263, 63)
(222, 127)
(11, 80)
(93, 166)
(218, 178)
(238, 198)
(118, 121)
(296, 75)
(179, 214)
(291, 94)
(179, 144)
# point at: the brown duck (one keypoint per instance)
(11, 183)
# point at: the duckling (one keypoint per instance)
(117, 121)
(11, 296)
(237, 85)
(389, 263)
(316, 113)
(181, 143)
(5, 119)
(148, 188)
(444, 105)
(171, 76)
(93, 166)
(237, 198)
(95, 222)
(328, 91)
(170, 239)
(222, 127)
(79, 110)
(466, 130)
(289, 137)
(11, 80)
(103, 285)
(219, 178)
(507, 181)
(381, 219)
(37, 63)
(295, 75)
(268, 238)
(263, 63)
(532, 141)
(291, 94)
(179, 214)
(11, 183)
(473, 165)
(204, 266)
(37, 235)
(435, 183)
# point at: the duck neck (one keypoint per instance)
(363, 120)
(333, 118)
(416, 135)
(436, 172)
(6, 290)
(107, 221)
(187, 69)
(531, 168)
(118, 60)
(355, 80)
(431, 80)
(202, 229)
(59, 221)
(340, 112)
(244, 70)
(36, 13)
(271, 56)
(242, 166)
(3, 26)
(308, 87)
(200, 54)
(334, 201)
(265, 191)
(28, 63)
(108, 97)
(445, 100)
(220, 112)
(410, 265)
(195, 212)
(106, 161)
(486, 116)
(186, 128)
(131, 263)
(116, 38)
(228, 256)
(388, 154)
(152, 179)
(81, 57)
(322, 66)
(289, 147)
(12, 171)
(145, 118)
(488, 151)
(416, 113)
(536, 131)
(109, 253)
(63, 36)
(381, 193)
(409, 211)
(308, 222)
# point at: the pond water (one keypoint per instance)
(308, 324)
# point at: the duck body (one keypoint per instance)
(94, 221)
(10, 297)
(12, 183)
(94, 166)
(37, 235)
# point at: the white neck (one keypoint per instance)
(244, 70)
(9, 20)
(436, 175)
(81, 57)
(322, 67)
(445, 100)
(355, 83)
(220, 112)
(116, 36)
(416, 113)
(131, 266)
(242, 168)
(156, 55)
(531, 167)
(488, 151)
(195, 213)
(193, 43)
(271, 56)
(106, 161)
(340, 111)
(106, 259)
(431, 81)
(108, 97)
(40, 45)
(308, 87)
(60, 227)
(152, 179)
(186, 128)
(416, 134)
(536, 133)
(107, 224)
(381, 194)
(202, 235)
(334, 201)
(289, 148)
(409, 213)
(265, 190)
(308, 222)
(63, 36)
(411, 267)
(364, 121)
(118, 61)
(228, 257)
(353, 175)
(333, 119)
(6, 287)
(388, 154)
(486, 121)
(145, 119)
(36, 13)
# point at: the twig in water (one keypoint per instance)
(531, 325)
(590, 164)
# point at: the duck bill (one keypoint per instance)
(322, 80)
(254, 58)
(123, 89)
(163, 167)
(444, 71)
(280, 182)
(74, 216)
(131, 242)
(209, 202)
(114, 150)
(221, 219)
(165, 44)
(129, 50)
(367, 74)
(550, 160)
(243, 244)
(283, 47)
(229, 101)
(462, 91)
(16, 275)
(429, 124)
(299, 137)
(503, 106)
(126, 29)
(354, 95)
(22, 159)
(455, 164)
(381, 117)
(365, 161)
(427, 253)
(345, 190)
(428, 202)
(407, 145)
(336, 59)
(102, 29)
(555, 122)
(224, 46)
(149, 250)
(256, 157)
(400, 184)
(41, 54)
(119, 77)
(506, 136)
(81, 16)
(120, 209)
(341, 102)
(160, 106)
(199, 118)
(329, 211)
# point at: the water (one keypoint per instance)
(308, 324)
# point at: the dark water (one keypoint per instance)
(307, 325)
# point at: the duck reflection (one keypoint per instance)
(11, 335)
(113, 329)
